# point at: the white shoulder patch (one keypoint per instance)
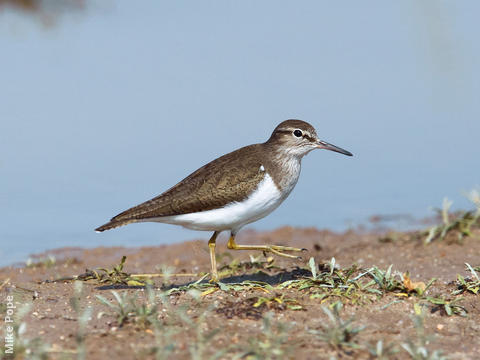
(262, 168)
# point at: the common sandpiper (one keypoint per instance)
(234, 190)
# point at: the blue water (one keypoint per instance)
(113, 104)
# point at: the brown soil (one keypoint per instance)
(237, 315)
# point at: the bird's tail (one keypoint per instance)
(113, 224)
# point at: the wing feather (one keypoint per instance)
(205, 189)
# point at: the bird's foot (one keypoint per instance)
(275, 249)
(279, 250)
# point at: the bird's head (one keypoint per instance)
(298, 138)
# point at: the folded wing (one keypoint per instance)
(205, 189)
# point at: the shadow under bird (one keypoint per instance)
(234, 190)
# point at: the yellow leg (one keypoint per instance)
(276, 249)
(213, 260)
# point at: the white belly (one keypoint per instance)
(233, 216)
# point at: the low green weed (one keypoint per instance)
(382, 351)
(271, 344)
(127, 308)
(468, 284)
(461, 224)
(338, 333)
(83, 316)
(451, 307)
(417, 348)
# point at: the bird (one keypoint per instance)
(234, 190)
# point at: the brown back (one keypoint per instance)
(224, 180)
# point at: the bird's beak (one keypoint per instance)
(324, 145)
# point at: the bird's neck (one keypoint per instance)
(287, 169)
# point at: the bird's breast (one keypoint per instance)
(285, 175)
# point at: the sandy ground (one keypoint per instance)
(248, 320)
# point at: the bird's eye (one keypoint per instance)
(297, 133)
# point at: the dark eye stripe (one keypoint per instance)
(285, 131)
